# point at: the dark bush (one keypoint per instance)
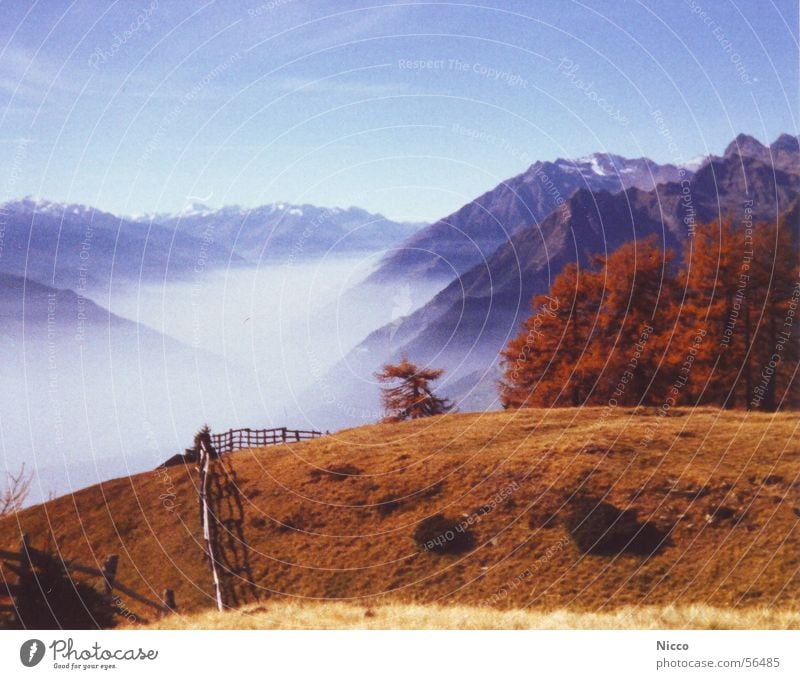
(387, 504)
(342, 472)
(443, 535)
(47, 597)
(258, 521)
(601, 528)
(295, 522)
(541, 517)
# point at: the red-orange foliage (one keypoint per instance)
(631, 329)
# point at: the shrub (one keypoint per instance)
(601, 528)
(342, 472)
(387, 504)
(443, 535)
(47, 597)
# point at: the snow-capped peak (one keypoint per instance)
(695, 163)
(42, 206)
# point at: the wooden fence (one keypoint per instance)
(21, 561)
(239, 439)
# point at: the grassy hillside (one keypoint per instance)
(335, 518)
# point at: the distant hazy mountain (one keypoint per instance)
(466, 324)
(88, 395)
(281, 230)
(452, 245)
(79, 247)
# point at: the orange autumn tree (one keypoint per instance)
(740, 278)
(410, 395)
(629, 330)
(776, 331)
(597, 336)
(635, 320)
(714, 326)
(544, 364)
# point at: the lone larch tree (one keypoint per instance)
(408, 394)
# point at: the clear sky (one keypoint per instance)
(406, 108)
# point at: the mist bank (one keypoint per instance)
(105, 387)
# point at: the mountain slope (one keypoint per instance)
(709, 482)
(452, 245)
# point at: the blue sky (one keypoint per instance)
(410, 109)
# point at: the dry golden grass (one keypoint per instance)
(319, 535)
(417, 616)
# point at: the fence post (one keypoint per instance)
(283, 434)
(25, 553)
(169, 600)
(110, 572)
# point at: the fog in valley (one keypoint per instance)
(88, 396)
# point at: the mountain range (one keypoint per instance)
(464, 326)
(83, 248)
(280, 230)
(452, 245)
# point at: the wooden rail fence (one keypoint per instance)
(21, 561)
(239, 439)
